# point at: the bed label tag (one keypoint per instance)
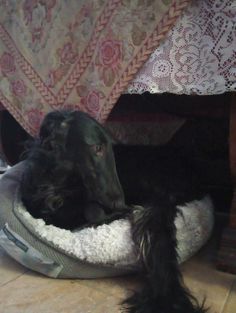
(22, 252)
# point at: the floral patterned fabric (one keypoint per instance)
(198, 56)
(75, 54)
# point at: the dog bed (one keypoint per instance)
(105, 251)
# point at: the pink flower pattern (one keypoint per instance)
(7, 64)
(110, 53)
(91, 101)
(67, 54)
(109, 59)
(34, 117)
(18, 88)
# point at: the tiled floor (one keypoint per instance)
(22, 291)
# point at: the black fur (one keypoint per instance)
(70, 177)
(158, 179)
(71, 180)
(155, 235)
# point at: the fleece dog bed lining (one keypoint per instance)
(107, 250)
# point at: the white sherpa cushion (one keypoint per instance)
(112, 244)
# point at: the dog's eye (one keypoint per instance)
(98, 149)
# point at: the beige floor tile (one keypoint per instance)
(120, 287)
(230, 306)
(23, 291)
(205, 281)
(9, 268)
(32, 293)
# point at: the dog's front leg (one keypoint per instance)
(95, 214)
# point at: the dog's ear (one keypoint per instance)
(104, 135)
(54, 130)
(110, 137)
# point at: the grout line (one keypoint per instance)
(13, 279)
(100, 289)
(228, 295)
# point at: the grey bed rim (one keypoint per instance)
(12, 218)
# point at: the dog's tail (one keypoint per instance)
(154, 232)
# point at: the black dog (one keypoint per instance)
(70, 177)
(71, 180)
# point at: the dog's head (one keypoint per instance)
(78, 138)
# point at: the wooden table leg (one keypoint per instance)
(227, 253)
